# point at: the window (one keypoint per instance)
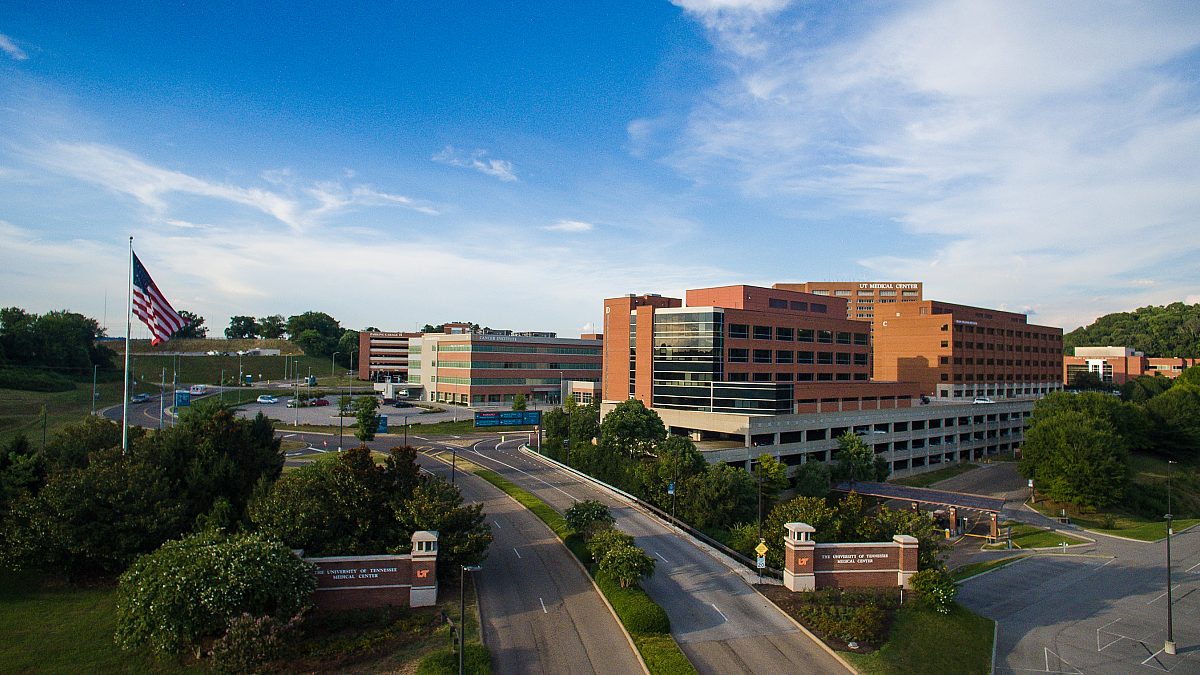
(761, 377)
(784, 356)
(804, 357)
(866, 293)
(739, 330)
(739, 377)
(860, 359)
(762, 355)
(819, 308)
(942, 360)
(824, 377)
(843, 338)
(842, 293)
(843, 377)
(739, 355)
(804, 335)
(825, 358)
(861, 377)
(799, 306)
(945, 343)
(843, 359)
(825, 337)
(776, 303)
(762, 332)
(784, 334)
(861, 339)
(783, 377)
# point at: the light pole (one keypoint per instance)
(1169, 645)
(95, 368)
(462, 611)
(332, 360)
(406, 431)
(352, 368)
(453, 461)
(241, 376)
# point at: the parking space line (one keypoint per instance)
(1193, 567)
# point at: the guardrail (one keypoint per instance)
(653, 510)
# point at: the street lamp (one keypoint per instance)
(1169, 645)
(95, 368)
(332, 360)
(352, 353)
(462, 611)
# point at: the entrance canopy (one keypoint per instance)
(962, 500)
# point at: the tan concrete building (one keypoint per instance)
(862, 297)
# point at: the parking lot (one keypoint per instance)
(1103, 612)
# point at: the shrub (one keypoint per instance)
(640, 614)
(626, 564)
(250, 642)
(476, 660)
(936, 588)
(588, 517)
(607, 539)
(189, 590)
(33, 380)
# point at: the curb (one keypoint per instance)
(1015, 559)
(571, 554)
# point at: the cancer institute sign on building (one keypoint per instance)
(809, 565)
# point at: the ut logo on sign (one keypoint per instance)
(802, 562)
(422, 574)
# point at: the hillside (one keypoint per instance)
(182, 345)
(1170, 330)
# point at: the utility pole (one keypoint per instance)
(162, 393)
(1169, 645)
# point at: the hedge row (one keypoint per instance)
(34, 380)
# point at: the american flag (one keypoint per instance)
(151, 307)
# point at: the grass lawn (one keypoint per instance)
(972, 569)
(927, 479)
(1031, 536)
(48, 629)
(1123, 524)
(923, 641)
(21, 411)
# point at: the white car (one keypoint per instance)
(267, 398)
(983, 399)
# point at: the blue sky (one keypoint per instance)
(513, 165)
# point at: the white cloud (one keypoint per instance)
(1042, 153)
(9, 47)
(570, 226)
(478, 161)
(154, 187)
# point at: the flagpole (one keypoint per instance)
(128, 330)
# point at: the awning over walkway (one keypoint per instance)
(961, 500)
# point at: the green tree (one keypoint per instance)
(605, 539)
(588, 516)
(812, 479)
(271, 327)
(70, 447)
(719, 497)
(1075, 458)
(632, 428)
(519, 402)
(463, 536)
(367, 421)
(241, 327)
(60, 340)
(1175, 422)
(584, 420)
(194, 328)
(936, 588)
(22, 470)
(930, 540)
(773, 474)
(626, 564)
(1128, 421)
(343, 406)
(555, 426)
(316, 333)
(812, 510)
(856, 461)
(1088, 381)
(347, 343)
(187, 592)
(1189, 376)
(678, 461)
(1143, 388)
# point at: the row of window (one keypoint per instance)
(991, 377)
(1007, 332)
(736, 355)
(799, 306)
(471, 347)
(484, 381)
(972, 361)
(741, 331)
(797, 377)
(516, 365)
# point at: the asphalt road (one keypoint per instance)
(540, 612)
(722, 624)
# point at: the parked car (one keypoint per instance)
(267, 398)
(292, 403)
(983, 399)
(318, 401)
(402, 404)
(139, 398)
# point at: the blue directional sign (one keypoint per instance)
(508, 418)
(671, 488)
(183, 398)
(382, 428)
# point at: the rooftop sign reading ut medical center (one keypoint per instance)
(887, 286)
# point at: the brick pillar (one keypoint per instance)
(908, 559)
(798, 557)
(424, 569)
(954, 520)
(995, 528)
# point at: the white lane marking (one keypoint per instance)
(517, 552)
(421, 438)
(288, 435)
(1152, 656)
(714, 606)
(543, 606)
(1162, 595)
(661, 556)
(497, 524)
(492, 459)
(1193, 567)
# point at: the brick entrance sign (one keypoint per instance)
(809, 565)
(353, 582)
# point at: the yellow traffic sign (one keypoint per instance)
(761, 549)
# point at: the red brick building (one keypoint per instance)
(958, 351)
(743, 350)
(383, 356)
(1118, 365)
(862, 297)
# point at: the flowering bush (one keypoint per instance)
(250, 642)
(936, 588)
(189, 590)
